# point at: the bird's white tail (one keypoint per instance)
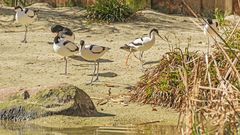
(107, 48)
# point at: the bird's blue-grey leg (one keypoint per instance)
(95, 64)
(128, 58)
(141, 59)
(65, 65)
(208, 51)
(97, 71)
(140, 56)
(25, 35)
(135, 56)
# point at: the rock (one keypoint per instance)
(62, 99)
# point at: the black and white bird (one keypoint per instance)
(25, 16)
(93, 53)
(141, 44)
(210, 32)
(64, 48)
(67, 34)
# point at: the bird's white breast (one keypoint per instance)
(23, 18)
(62, 50)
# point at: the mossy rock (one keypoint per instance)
(62, 99)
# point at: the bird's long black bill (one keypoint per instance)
(50, 43)
(162, 38)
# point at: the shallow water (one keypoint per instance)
(10, 128)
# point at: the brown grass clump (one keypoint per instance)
(162, 85)
(205, 89)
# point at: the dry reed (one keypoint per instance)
(203, 88)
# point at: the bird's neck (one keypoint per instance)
(82, 46)
(152, 35)
(18, 11)
(56, 40)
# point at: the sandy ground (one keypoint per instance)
(34, 64)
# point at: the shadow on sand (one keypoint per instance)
(79, 58)
(98, 114)
(106, 74)
(151, 62)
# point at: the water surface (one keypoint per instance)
(10, 128)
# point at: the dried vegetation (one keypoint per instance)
(203, 88)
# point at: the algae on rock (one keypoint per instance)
(62, 99)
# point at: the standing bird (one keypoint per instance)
(141, 44)
(25, 17)
(92, 53)
(67, 34)
(64, 48)
(209, 32)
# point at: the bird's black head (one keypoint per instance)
(209, 20)
(18, 8)
(56, 28)
(154, 30)
(217, 24)
(82, 42)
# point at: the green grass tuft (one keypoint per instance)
(109, 10)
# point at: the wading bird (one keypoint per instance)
(93, 53)
(141, 44)
(209, 32)
(25, 16)
(64, 48)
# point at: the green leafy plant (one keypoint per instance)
(16, 2)
(70, 3)
(219, 15)
(109, 10)
(8, 2)
(138, 4)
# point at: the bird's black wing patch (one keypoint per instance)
(26, 11)
(77, 49)
(91, 49)
(67, 31)
(137, 44)
(66, 42)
